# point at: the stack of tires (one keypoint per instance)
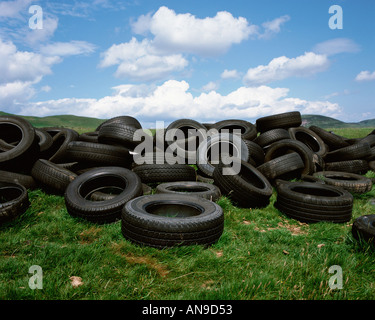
(104, 176)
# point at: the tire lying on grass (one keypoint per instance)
(78, 193)
(166, 220)
(200, 189)
(363, 228)
(248, 189)
(351, 182)
(14, 201)
(314, 202)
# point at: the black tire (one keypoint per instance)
(351, 166)
(204, 152)
(281, 120)
(104, 195)
(351, 182)
(247, 129)
(310, 139)
(288, 166)
(269, 137)
(333, 141)
(125, 120)
(14, 201)
(363, 228)
(165, 220)
(255, 151)
(14, 129)
(371, 165)
(45, 140)
(119, 134)
(91, 136)
(98, 154)
(51, 177)
(286, 146)
(248, 189)
(356, 151)
(78, 192)
(18, 178)
(61, 138)
(153, 173)
(194, 133)
(205, 190)
(314, 202)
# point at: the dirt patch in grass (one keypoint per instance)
(90, 235)
(295, 230)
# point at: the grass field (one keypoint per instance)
(261, 255)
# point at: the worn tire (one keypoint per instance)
(356, 151)
(333, 141)
(153, 173)
(281, 120)
(51, 177)
(248, 189)
(352, 182)
(314, 202)
(18, 178)
(199, 189)
(363, 228)
(310, 139)
(269, 137)
(248, 130)
(78, 192)
(14, 201)
(166, 220)
(119, 134)
(351, 166)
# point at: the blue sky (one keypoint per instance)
(204, 60)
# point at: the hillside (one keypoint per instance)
(87, 123)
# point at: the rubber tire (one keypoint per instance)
(269, 137)
(281, 120)
(91, 136)
(25, 152)
(248, 130)
(255, 151)
(45, 140)
(309, 202)
(145, 228)
(205, 167)
(126, 120)
(350, 166)
(351, 182)
(356, 151)
(101, 211)
(18, 178)
(247, 189)
(16, 201)
(333, 141)
(51, 177)
(310, 139)
(98, 154)
(286, 146)
(288, 166)
(153, 173)
(118, 134)
(199, 189)
(363, 228)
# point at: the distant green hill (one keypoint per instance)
(327, 122)
(83, 124)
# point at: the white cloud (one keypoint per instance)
(365, 76)
(141, 61)
(273, 27)
(67, 48)
(230, 74)
(34, 37)
(13, 9)
(283, 67)
(189, 34)
(336, 46)
(173, 100)
(210, 86)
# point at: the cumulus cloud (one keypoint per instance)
(173, 100)
(336, 46)
(141, 61)
(230, 74)
(186, 33)
(13, 9)
(284, 67)
(365, 76)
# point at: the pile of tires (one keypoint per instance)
(104, 177)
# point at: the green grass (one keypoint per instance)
(262, 254)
